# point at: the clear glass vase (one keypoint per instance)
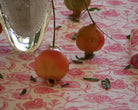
(25, 22)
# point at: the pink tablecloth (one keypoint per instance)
(116, 18)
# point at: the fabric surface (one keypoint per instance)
(116, 18)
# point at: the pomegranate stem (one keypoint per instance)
(89, 13)
(54, 23)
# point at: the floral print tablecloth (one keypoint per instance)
(116, 18)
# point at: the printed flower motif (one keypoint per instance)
(115, 2)
(21, 97)
(135, 21)
(69, 47)
(114, 48)
(2, 88)
(4, 106)
(102, 76)
(4, 49)
(2, 64)
(26, 57)
(35, 104)
(118, 84)
(29, 66)
(124, 72)
(135, 1)
(18, 77)
(119, 36)
(75, 72)
(65, 13)
(102, 25)
(110, 13)
(98, 61)
(69, 36)
(136, 11)
(91, 98)
(71, 108)
(44, 90)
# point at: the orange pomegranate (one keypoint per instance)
(51, 65)
(89, 39)
(77, 6)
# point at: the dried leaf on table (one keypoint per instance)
(94, 8)
(23, 91)
(66, 84)
(128, 37)
(106, 83)
(1, 76)
(91, 79)
(32, 79)
(127, 67)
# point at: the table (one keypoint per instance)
(116, 18)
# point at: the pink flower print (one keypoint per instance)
(71, 108)
(98, 61)
(65, 13)
(18, 77)
(44, 90)
(124, 72)
(1, 89)
(20, 97)
(69, 47)
(119, 36)
(135, 1)
(102, 25)
(35, 104)
(2, 64)
(114, 48)
(69, 36)
(4, 106)
(115, 2)
(136, 11)
(118, 84)
(135, 21)
(26, 57)
(31, 65)
(91, 98)
(75, 72)
(110, 13)
(4, 50)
